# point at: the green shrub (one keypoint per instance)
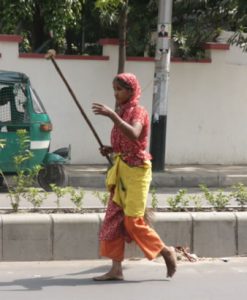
(178, 202)
(240, 194)
(76, 196)
(154, 199)
(25, 177)
(102, 196)
(219, 200)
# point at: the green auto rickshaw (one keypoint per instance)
(21, 108)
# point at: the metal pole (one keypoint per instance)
(161, 78)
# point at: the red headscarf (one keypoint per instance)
(132, 82)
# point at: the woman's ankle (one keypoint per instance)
(166, 251)
(170, 258)
(116, 268)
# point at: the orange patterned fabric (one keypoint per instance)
(113, 249)
(144, 236)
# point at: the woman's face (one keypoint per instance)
(122, 94)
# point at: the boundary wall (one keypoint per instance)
(206, 105)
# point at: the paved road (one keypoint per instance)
(204, 280)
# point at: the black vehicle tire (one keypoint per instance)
(52, 174)
(1, 180)
(3, 185)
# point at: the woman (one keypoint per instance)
(128, 181)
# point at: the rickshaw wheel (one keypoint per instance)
(1, 180)
(52, 174)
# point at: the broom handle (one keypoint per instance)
(79, 106)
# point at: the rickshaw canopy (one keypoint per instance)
(13, 77)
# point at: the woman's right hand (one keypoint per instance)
(101, 109)
(105, 150)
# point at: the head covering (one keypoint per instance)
(131, 81)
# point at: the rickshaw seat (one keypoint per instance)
(7, 95)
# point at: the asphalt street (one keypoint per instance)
(211, 279)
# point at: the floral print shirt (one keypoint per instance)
(133, 152)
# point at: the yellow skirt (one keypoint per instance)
(131, 186)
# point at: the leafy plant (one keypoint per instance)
(25, 177)
(209, 196)
(59, 192)
(219, 200)
(2, 143)
(154, 199)
(197, 201)
(196, 22)
(179, 201)
(240, 194)
(76, 196)
(34, 196)
(102, 196)
(239, 39)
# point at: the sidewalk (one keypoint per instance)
(93, 176)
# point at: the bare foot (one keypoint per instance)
(108, 276)
(170, 258)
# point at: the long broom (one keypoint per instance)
(51, 55)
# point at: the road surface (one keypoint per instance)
(213, 279)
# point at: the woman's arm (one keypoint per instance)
(131, 131)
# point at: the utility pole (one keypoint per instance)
(161, 77)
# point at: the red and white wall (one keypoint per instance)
(207, 105)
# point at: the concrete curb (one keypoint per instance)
(36, 237)
(163, 179)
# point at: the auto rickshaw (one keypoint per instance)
(21, 108)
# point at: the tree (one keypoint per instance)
(116, 11)
(142, 22)
(40, 22)
(133, 21)
(198, 21)
(75, 26)
(239, 38)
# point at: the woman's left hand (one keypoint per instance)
(101, 109)
(105, 150)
